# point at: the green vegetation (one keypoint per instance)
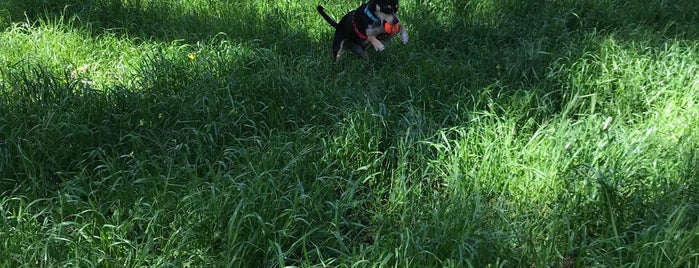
(196, 133)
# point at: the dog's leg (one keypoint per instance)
(376, 43)
(403, 35)
(338, 46)
(359, 49)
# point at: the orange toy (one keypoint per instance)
(391, 29)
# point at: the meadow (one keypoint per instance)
(220, 133)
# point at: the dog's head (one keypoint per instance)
(385, 10)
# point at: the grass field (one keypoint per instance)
(220, 133)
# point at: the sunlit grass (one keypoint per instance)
(222, 134)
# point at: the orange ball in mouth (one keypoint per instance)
(391, 28)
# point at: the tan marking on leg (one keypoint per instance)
(377, 44)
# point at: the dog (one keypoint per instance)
(364, 26)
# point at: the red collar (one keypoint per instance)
(354, 25)
(360, 34)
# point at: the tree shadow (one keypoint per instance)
(541, 31)
(509, 49)
(166, 21)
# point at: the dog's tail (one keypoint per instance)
(326, 17)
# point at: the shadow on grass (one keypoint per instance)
(500, 41)
(484, 50)
(166, 21)
(528, 35)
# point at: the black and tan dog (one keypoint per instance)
(364, 26)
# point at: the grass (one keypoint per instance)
(221, 134)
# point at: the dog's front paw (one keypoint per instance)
(376, 43)
(404, 38)
(379, 47)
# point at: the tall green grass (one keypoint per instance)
(221, 133)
